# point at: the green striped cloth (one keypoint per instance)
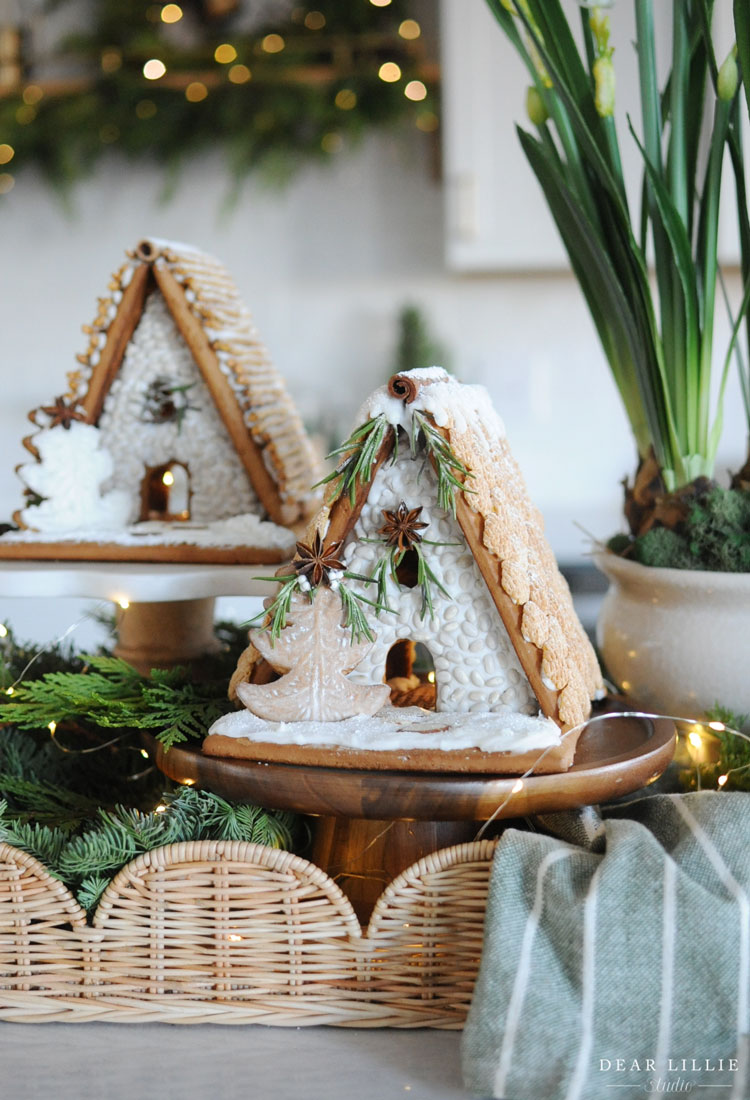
(616, 957)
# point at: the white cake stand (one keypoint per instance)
(164, 612)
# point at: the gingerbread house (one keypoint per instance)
(176, 438)
(429, 548)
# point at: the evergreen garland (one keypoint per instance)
(292, 89)
(86, 810)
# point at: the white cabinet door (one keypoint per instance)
(496, 218)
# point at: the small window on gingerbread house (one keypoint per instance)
(165, 493)
(410, 674)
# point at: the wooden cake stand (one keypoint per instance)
(369, 826)
(165, 612)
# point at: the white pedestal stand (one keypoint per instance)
(165, 613)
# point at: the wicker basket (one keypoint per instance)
(230, 932)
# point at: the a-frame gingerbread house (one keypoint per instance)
(176, 439)
(429, 519)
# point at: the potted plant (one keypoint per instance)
(689, 539)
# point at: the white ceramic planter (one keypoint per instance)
(676, 641)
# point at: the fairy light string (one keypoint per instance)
(689, 727)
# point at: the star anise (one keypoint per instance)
(402, 527)
(316, 562)
(63, 413)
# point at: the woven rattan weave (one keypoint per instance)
(230, 932)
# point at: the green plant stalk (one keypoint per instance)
(663, 370)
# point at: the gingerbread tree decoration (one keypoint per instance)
(314, 652)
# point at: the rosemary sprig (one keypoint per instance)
(361, 450)
(425, 579)
(354, 615)
(273, 617)
(447, 467)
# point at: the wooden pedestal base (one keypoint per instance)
(164, 634)
(363, 856)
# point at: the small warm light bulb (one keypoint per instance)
(517, 786)
(410, 29)
(346, 99)
(415, 90)
(695, 739)
(315, 20)
(225, 53)
(168, 476)
(234, 938)
(144, 754)
(718, 726)
(171, 13)
(273, 43)
(188, 782)
(3, 630)
(52, 726)
(10, 691)
(124, 604)
(430, 677)
(160, 809)
(380, 3)
(239, 74)
(390, 72)
(7, 152)
(722, 780)
(194, 93)
(111, 60)
(154, 69)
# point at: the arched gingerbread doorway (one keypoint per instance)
(410, 673)
(165, 492)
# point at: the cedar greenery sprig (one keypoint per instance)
(111, 694)
(88, 860)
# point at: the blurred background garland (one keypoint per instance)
(278, 84)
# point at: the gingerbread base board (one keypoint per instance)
(176, 553)
(556, 759)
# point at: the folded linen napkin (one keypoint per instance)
(616, 962)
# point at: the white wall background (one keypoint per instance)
(324, 266)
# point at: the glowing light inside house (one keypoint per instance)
(168, 477)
